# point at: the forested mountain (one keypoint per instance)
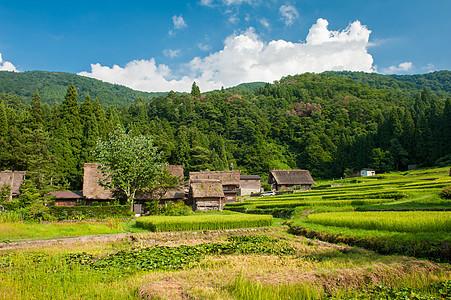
(408, 85)
(329, 124)
(52, 87)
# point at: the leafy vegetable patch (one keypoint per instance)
(174, 258)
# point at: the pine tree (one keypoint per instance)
(195, 91)
(69, 135)
(36, 110)
(3, 120)
(86, 110)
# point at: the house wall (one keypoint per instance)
(364, 173)
(279, 187)
(250, 186)
(207, 204)
(65, 202)
(230, 193)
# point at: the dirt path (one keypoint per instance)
(65, 241)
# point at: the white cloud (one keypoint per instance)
(6, 65)
(402, 68)
(179, 22)
(246, 58)
(171, 53)
(143, 75)
(233, 19)
(204, 47)
(288, 14)
(264, 22)
(207, 3)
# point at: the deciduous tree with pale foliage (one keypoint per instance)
(130, 164)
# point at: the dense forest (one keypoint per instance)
(332, 124)
(52, 87)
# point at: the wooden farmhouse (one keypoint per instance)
(230, 181)
(12, 179)
(66, 198)
(206, 194)
(285, 179)
(250, 184)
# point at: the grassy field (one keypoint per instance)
(266, 264)
(21, 231)
(339, 245)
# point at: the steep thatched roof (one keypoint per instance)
(67, 194)
(13, 179)
(91, 187)
(226, 177)
(179, 193)
(250, 177)
(208, 188)
(291, 177)
(176, 170)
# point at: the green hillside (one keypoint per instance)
(52, 87)
(408, 85)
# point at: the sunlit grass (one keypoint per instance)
(17, 231)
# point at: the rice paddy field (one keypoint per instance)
(382, 237)
(395, 213)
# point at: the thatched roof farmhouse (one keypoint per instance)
(207, 194)
(284, 179)
(92, 191)
(66, 198)
(13, 179)
(230, 181)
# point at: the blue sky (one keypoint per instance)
(164, 45)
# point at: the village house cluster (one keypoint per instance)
(207, 190)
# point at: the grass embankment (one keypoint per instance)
(203, 222)
(267, 265)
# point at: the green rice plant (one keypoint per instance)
(375, 195)
(203, 222)
(352, 202)
(408, 221)
(430, 245)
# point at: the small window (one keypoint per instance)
(229, 198)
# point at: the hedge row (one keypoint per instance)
(435, 250)
(90, 212)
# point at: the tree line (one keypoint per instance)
(329, 125)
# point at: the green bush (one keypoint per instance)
(90, 212)
(178, 208)
(446, 192)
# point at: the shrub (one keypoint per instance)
(446, 192)
(178, 208)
